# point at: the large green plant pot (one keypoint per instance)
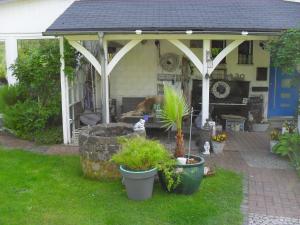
(139, 184)
(190, 177)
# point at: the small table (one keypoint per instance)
(234, 122)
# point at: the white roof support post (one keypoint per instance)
(104, 80)
(64, 95)
(11, 55)
(205, 81)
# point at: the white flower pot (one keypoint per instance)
(218, 147)
(272, 144)
(260, 127)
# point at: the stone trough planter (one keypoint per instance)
(98, 143)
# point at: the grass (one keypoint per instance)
(40, 189)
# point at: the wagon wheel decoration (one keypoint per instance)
(169, 62)
(221, 89)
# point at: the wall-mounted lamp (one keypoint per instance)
(138, 32)
(206, 76)
(189, 32)
(245, 33)
(209, 59)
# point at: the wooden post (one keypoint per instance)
(64, 95)
(104, 80)
(205, 82)
(11, 55)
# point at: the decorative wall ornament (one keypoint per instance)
(169, 62)
(221, 89)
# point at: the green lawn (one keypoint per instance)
(39, 189)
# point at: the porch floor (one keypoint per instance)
(272, 187)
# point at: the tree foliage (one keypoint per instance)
(285, 51)
(37, 95)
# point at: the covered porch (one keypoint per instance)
(217, 57)
(133, 67)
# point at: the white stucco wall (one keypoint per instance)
(136, 73)
(26, 19)
(30, 16)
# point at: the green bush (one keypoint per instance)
(140, 154)
(32, 108)
(53, 135)
(9, 95)
(289, 145)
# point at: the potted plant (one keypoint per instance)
(289, 127)
(139, 161)
(218, 142)
(260, 127)
(189, 168)
(274, 138)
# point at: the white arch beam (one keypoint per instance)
(87, 54)
(188, 52)
(229, 48)
(121, 53)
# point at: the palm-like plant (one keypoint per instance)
(174, 109)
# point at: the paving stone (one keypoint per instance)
(258, 219)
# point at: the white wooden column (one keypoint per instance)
(104, 80)
(205, 82)
(64, 95)
(11, 55)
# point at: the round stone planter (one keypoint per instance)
(97, 144)
(139, 184)
(218, 147)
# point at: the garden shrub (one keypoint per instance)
(32, 108)
(289, 145)
(9, 95)
(52, 135)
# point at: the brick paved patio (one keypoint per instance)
(271, 192)
(272, 188)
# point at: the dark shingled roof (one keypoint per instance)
(178, 15)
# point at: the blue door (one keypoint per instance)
(283, 95)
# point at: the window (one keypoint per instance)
(261, 73)
(246, 53)
(216, 47)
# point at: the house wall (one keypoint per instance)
(136, 73)
(30, 16)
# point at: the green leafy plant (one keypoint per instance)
(174, 109)
(285, 50)
(289, 145)
(9, 96)
(52, 135)
(32, 108)
(140, 154)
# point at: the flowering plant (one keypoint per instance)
(275, 135)
(220, 137)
